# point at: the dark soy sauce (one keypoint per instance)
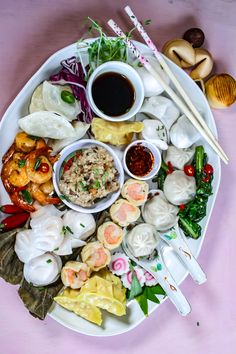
(113, 94)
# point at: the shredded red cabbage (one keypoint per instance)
(72, 71)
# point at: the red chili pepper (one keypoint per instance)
(170, 168)
(11, 209)
(13, 221)
(206, 178)
(68, 164)
(182, 206)
(208, 169)
(189, 170)
(44, 167)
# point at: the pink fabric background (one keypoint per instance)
(30, 31)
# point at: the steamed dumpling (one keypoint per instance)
(95, 256)
(161, 108)
(150, 84)
(110, 235)
(183, 134)
(36, 103)
(135, 191)
(53, 102)
(47, 232)
(46, 125)
(81, 225)
(178, 157)
(158, 212)
(43, 270)
(142, 240)
(123, 212)
(179, 188)
(80, 129)
(74, 274)
(155, 131)
(24, 247)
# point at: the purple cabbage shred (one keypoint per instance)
(72, 71)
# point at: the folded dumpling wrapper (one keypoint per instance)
(183, 134)
(24, 247)
(178, 157)
(115, 133)
(36, 103)
(47, 125)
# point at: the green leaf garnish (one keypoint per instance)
(83, 186)
(27, 197)
(21, 163)
(65, 229)
(143, 303)
(49, 261)
(37, 163)
(136, 288)
(82, 225)
(64, 197)
(96, 185)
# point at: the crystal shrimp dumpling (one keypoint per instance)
(110, 235)
(135, 191)
(95, 255)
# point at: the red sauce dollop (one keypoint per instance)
(139, 160)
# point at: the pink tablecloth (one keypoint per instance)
(32, 30)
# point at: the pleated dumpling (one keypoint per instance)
(124, 213)
(95, 255)
(135, 191)
(82, 225)
(158, 212)
(179, 188)
(43, 270)
(110, 235)
(178, 157)
(24, 247)
(53, 101)
(142, 240)
(74, 274)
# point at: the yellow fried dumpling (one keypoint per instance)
(110, 235)
(115, 133)
(135, 191)
(95, 255)
(70, 300)
(124, 213)
(74, 274)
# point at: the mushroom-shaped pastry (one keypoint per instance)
(74, 274)
(110, 235)
(95, 256)
(123, 212)
(135, 191)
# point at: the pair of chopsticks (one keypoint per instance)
(186, 106)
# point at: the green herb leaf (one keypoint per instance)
(21, 163)
(27, 197)
(49, 260)
(157, 289)
(143, 303)
(96, 172)
(136, 288)
(96, 185)
(67, 97)
(64, 197)
(83, 186)
(37, 163)
(150, 295)
(104, 177)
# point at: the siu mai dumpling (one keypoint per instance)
(74, 274)
(135, 191)
(124, 213)
(95, 256)
(142, 240)
(110, 235)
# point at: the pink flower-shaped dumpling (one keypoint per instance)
(149, 279)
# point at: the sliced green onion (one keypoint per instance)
(27, 197)
(37, 163)
(67, 97)
(21, 163)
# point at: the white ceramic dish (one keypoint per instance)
(104, 203)
(131, 74)
(8, 128)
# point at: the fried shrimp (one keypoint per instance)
(26, 143)
(38, 194)
(38, 166)
(14, 173)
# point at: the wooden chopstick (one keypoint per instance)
(171, 75)
(167, 88)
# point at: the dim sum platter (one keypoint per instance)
(113, 325)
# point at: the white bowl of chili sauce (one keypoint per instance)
(115, 91)
(141, 160)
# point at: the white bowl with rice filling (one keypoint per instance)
(88, 176)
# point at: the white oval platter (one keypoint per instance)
(112, 325)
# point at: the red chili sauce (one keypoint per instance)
(139, 160)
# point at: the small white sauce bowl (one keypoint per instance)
(102, 204)
(157, 159)
(131, 74)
